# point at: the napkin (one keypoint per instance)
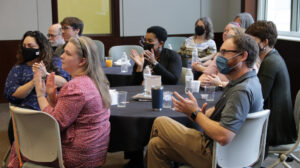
(119, 62)
(114, 96)
(141, 97)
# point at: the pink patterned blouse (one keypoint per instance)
(84, 123)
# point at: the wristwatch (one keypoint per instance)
(194, 114)
(155, 63)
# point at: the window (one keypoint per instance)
(284, 13)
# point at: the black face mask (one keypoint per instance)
(30, 54)
(148, 46)
(199, 30)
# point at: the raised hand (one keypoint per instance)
(149, 56)
(51, 89)
(39, 83)
(138, 59)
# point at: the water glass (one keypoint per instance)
(167, 100)
(210, 90)
(195, 86)
(122, 98)
(124, 67)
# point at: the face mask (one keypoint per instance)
(148, 46)
(30, 54)
(223, 66)
(199, 30)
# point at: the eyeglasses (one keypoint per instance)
(51, 35)
(65, 27)
(223, 52)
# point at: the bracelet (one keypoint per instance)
(194, 114)
(155, 63)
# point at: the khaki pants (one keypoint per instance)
(171, 141)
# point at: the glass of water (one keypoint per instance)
(122, 98)
(167, 99)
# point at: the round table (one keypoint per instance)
(131, 126)
(116, 77)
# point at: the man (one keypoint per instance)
(71, 27)
(55, 38)
(171, 141)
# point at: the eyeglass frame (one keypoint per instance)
(223, 51)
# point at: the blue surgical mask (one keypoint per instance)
(222, 64)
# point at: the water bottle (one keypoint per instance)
(189, 76)
(146, 74)
(194, 55)
(124, 60)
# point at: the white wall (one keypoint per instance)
(177, 16)
(19, 16)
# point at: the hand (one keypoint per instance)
(149, 56)
(197, 66)
(205, 80)
(214, 79)
(138, 59)
(41, 66)
(39, 83)
(51, 89)
(185, 105)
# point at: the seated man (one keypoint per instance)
(163, 61)
(56, 40)
(171, 141)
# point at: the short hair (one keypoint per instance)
(246, 43)
(74, 22)
(264, 30)
(208, 26)
(246, 19)
(160, 33)
(237, 31)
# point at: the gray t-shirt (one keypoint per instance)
(239, 98)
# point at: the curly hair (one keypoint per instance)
(45, 50)
(208, 26)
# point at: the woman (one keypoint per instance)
(82, 106)
(34, 52)
(274, 78)
(202, 40)
(244, 20)
(163, 61)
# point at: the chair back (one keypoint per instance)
(182, 76)
(116, 52)
(174, 42)
(297, 111)
(247, 147)
(38, 135)
(101, 50)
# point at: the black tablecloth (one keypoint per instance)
(131, 126)
(116, 77)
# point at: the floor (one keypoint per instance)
(114, 160)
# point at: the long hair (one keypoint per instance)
(44, 49)
(87, 48)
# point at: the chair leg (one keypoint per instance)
(295, 158)
(286, 165)
(5, 157)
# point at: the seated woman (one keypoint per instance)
(275, 81)
(34, 51)
(81, 108)
(162, 61)
(202, 40)
(244, 20)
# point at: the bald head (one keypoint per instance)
(54, 35)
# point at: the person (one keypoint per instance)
(171, 141)
(56, 40)
(202, 40)
(244, 19)
(274, 78)
(211, 75)
(163, 61)
(19, 88)
(71, 27)
(82, 107)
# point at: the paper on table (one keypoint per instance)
(153, 80)
(141, 97)
(114, 96)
